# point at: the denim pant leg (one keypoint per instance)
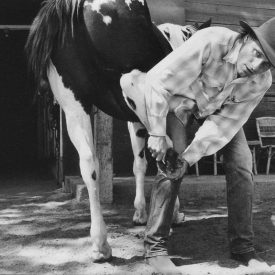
(240, 188)
(162, 204)
(163, 197)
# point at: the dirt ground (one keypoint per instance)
(43, 231)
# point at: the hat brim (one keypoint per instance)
(268, 51)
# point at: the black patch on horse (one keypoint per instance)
(142, 133)
(132, 103)
(94, 175)
(167, 34)
(141, 154)
(186, 34)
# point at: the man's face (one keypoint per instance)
(251, 59)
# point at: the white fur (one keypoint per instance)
(96, 6)
(128, 2)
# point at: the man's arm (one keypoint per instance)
(218, 129)
(176, 71)
(179, 69)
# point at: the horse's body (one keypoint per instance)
(82, 47)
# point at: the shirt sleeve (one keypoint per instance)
(180, 68)
(218, 129)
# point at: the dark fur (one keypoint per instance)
(52, 24)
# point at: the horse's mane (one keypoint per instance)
(52, 24)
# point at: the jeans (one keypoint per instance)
(238, 169)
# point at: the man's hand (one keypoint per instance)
(157, 146)
(173, 166)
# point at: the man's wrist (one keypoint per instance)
(183, 159)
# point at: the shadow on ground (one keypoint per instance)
(43, 231)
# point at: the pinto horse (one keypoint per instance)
(176, 35)
(82, 48)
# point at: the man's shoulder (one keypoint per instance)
(218, 34)
(266, 79)
(219, 40)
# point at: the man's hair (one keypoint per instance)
(245, 32)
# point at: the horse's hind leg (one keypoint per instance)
(137, 135)
(80, 133)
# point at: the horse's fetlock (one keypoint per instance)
(139, 204)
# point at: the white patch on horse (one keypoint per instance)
(177, 34)
(129, 2)
(63, 95)
(96, 6)
(107, 20)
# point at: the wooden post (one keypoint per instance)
(103, 136)
(60, 177)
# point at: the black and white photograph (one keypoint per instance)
(137, 137)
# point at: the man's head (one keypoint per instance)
(258, 52)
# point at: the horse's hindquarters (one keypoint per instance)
(122, 34)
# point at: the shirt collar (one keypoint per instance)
(232, 55)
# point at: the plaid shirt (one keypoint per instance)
(201, 75)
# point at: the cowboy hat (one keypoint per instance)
(265, 34)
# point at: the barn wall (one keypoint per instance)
(17, 113)
(223, 13)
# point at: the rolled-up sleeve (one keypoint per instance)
(219, 128)
(179, 69)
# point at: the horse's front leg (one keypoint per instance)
(80, 133)
(137, 135)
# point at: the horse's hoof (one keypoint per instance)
(138, 223)
(102, 255)
(178, 218)
(140, 218)
(102, 260)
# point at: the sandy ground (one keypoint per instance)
(43, 231)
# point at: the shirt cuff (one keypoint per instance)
(190, 157)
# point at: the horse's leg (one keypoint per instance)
(80, 133)
(178, 217)
(137, 135)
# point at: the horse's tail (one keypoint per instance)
(51, 25)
